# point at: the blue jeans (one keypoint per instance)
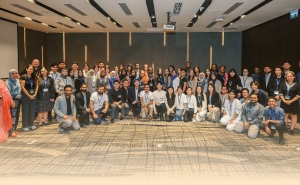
(99, 112)
(136, 109)
(178, 114)
(125, 111)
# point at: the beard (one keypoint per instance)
(84, 90)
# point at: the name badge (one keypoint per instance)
(151, 84)
(61, 88)
(287, 97)
(45, 89)
(276, 92)
(209, 105)
(161, 99)
(119, 96)
(31, 91)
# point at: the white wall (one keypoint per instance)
(8, 47)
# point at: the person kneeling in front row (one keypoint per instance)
(159, 106)
(231, 112)
(252, 116)
(146, 98)
(83, 105)
(274, 120)
(99, 105)
(65, 110)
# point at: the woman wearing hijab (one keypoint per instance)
(112, 77)
(5, 117)
(174, 80)
(78, 81)
(14, 89)
(62, 81)
(92, 82)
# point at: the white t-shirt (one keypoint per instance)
(191, 103)
(98, 100)
(181, 100)
(146, 97)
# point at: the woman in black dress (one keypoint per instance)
(45, 96)
(78, 81)
(289, 93)
(234, 81)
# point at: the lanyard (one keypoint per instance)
(288, 87)
(224, 98)
(209, 99)
(189, 98)
(224, 78)
(65, 81)
(93, 83)
(45, 82)
(199, 99)
(245, 81)
(146, 97)
(84, 99)
(272, 113)
(136, 94)
(230, 82)
(53, 76)
(179, 98)
(30, 81)
(230, 104)
(102, 81)
(277, 82)
(99, 100)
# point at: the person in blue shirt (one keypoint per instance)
(274, 120)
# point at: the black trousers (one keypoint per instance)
(279, 127)
(83, 117)
(188, 116)
(161, 109)
(136, 109)
(50, 112)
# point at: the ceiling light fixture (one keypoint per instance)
(68, 18)
(108, 18)
(231, 23)
(152, 16)
(242, 16)
(28, 18)
(32, 1)
(195, 15)
(88, 1)
(44, 24)
(114, 23)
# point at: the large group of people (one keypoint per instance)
(261, 101)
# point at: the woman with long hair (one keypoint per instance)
(29, 85)
(234, 81)
(14, 88)
(174, 80)
(213, 104)
(289, 93)
(166, 77)
(158, 77)
(5, 117)
(192, 81)
(170, 104)
(79, 80)
(121, 67)
(275, 83)
(171, 68)
(45, 96)
(180, 104)
(201, 104)
(246, 79)
(217, 83)
(129, 70)
(191, 106)
(207, 74)
(197, 72)
(123, 76)
(132, 78)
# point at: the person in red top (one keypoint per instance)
(5, 116)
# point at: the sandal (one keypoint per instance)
(14, 134)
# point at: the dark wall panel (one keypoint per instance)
(34, 42)
(54, 49)
(228, 55)
(75, 52)
(272, 43)
(148, 48)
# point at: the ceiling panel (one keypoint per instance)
(140, 14)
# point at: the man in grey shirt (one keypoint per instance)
(252, 117)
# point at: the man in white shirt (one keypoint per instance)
(159, 106)
(99, 105)
(146, 98)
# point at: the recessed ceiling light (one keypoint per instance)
(242, 16)
(231, 23)
(152, 16)
(68, 18)
(195, 15)
(114, 22)
(108, 18)
(44, 24)
(88, 1)
(32, 1)
(28, 18)
(78, 23)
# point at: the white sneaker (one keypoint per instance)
(194, 120)
(33, 127)
(26, 129)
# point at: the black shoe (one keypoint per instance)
(162, 118)
(60, 129)
(112, 120)
(291, 132)
(104, 120)
(121, 117)
(272, 133)
(83, 126)
(281, 141)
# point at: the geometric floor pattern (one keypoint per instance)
(131, 149)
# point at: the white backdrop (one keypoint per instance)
(8, 47)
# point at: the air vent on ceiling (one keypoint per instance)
(26, 9)
(75, 9)
(211, 24)
(99, 24)
(136, 24)
(125, 8)
(230, 29)
(235, 6)
(64, 25)
(177, 8)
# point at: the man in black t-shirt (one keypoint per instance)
(183, 80)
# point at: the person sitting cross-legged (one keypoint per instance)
(274, 120)
(99, 105)
(65, 110)
(252, 117)
(232, 111)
